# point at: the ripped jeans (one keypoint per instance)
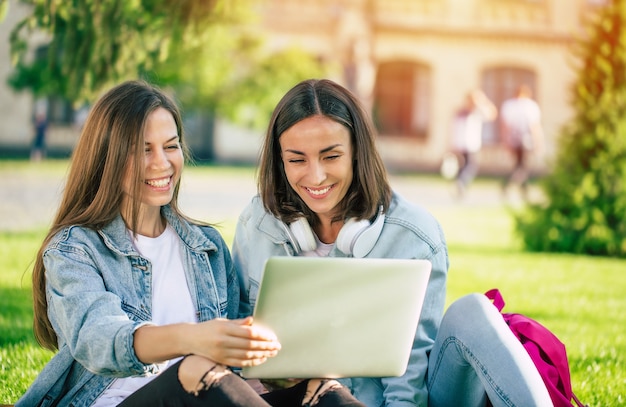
(231, 390)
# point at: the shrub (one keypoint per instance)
(585, 210)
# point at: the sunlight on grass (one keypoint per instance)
(19, 365)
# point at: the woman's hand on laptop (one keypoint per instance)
(234, 342)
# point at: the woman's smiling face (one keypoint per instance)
(318, 160)
(163, 160)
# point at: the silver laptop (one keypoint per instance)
(340, 317)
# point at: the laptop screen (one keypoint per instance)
(340, 317)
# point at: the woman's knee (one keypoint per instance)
(317, 388)
(468, 304)
(469, 313)
(196, 373)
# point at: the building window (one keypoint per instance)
(499, 84)
(402, 100)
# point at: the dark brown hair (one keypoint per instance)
(369, 188)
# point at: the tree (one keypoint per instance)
(585, 210)
(230, 73)
(96, 43)
(205, 49)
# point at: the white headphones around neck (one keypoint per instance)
(356, 238)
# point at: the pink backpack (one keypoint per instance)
(546, 351)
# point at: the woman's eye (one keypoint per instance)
(173, 147)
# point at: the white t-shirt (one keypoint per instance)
(519, 115)
(171, 302)
(322, 249)
(467, 131)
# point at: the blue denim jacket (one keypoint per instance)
(409, 232)
(99, 292)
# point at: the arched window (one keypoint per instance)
(402, 99)
(499, 84)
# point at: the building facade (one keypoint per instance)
(411, 62)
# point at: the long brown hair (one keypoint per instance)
(370, 187)
(113, 131)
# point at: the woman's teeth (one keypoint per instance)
(159, 183)
(318, 191)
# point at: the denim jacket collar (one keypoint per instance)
(115, 234)
(275, 229)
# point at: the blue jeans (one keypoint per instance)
(468, 169)
(476, 356)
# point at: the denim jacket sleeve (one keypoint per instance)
(257, 237)
(88, 316)
(411, 387)
(241, 246)
(411, 232)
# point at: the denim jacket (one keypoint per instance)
(409, 231)
(98, 289)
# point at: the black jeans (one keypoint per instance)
(229, 391)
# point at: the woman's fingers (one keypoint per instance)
(242, 352)
(255, 331)
(241, 358)
(239, 343)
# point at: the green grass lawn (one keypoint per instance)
(581, 299)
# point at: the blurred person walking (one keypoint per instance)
(520, 121)
(466, 140)
(40, 124)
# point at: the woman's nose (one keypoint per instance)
(159, 160)
(317, 173)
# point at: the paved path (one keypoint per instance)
(30, 195)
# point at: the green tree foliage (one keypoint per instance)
(252, 98)
(205, 49)
(95, 43)
(586, 206)
(4, 7)
(230, 73)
